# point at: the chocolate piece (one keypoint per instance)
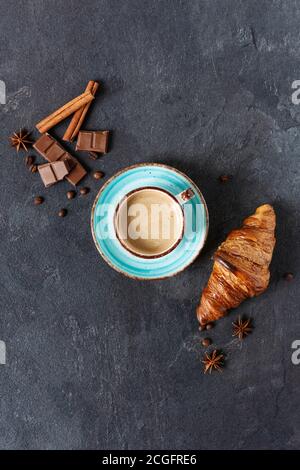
(92, 141)
(69, 163)
(61, 169)
(52, 151)
(53, 172)
(47, 174)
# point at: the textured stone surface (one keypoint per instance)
(95, 360)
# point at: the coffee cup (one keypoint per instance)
(149, 221)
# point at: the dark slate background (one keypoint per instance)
(96, 360)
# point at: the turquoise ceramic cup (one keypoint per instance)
(177, 185)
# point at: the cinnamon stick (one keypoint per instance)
(65, 111)
(79, 116)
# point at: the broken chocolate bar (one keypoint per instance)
(53, 172)
(93, 141)
(52, 151)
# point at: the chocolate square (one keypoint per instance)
(100, 141)
(47, 174)
(43, 143)
(85, 140)
(92, 141)
(55, 152)
(60, 169)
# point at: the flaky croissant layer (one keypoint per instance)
(241, 266)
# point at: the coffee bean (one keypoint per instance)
(202, 327)
(84, 191)
(288, 277)
(71, 194)
(206, 342)
(29, 160)
(62, 212)
(38, 200)
(33, 168)
(98, 175)
(224, 178)
(210, 325)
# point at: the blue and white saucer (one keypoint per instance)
(152, 175)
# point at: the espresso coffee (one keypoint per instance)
(149, 222)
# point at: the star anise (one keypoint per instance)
(20, 140)
(212, 361)
(242, 327)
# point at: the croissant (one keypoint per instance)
(241, 266)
